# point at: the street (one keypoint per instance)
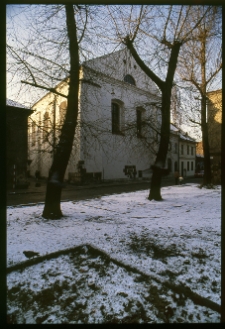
(71, 192)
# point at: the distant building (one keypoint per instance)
(181, 153)
(119, 120)
(199, 157)
(16, 140)
(187, 153)
(214, 114)
(199, 149)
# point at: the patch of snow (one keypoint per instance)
(176, 240)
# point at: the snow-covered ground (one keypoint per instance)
(119, 258)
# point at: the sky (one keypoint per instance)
(18, 21)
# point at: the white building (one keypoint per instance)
(119, 115)
(187, 155)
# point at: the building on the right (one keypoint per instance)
(199, 158)
(214, 118)
(187, 154)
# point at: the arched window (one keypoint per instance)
(117, 116)
(46, 127)
(169, 164)
(140, 113)
(129, 79)
(62, 111)
(33, 133)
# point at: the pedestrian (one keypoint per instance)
(37, 175)
(181, 180)
(176, 176)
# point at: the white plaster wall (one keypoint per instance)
(106, 152)
(185, 158)
(114, 66)
(172, 154)
(41, 153)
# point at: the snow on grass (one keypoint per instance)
(175, 241)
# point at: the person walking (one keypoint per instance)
(176, 176)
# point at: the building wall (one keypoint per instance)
(101, 150)
(97, 150)
(187, 159)
(16, 147)
(172, 161)
(120, 63)
(215, 124)
(41, 147)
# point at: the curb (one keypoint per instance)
(80, 187)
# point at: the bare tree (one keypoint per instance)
(59, 42)
(201, 63)
(165, 29)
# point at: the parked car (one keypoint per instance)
(199, 174)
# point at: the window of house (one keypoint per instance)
(188, 149)
(192, 165)
(140, 121)
(129, 79)
(46, 127)
(169, 164)
(188, 166)
(33, 133)
(182, 168)
(115, 118)
(192, 150)
(182, 149)
(62, 111)
(175, 148)
(175, 166)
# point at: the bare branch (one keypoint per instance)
(185, 39)
(140, 62)
(85, 25)
(196, 122)
(52, 90)
(138, 24)
(44, 59)
(22, 61)
(214, 74)
(167, 22)
(184, 20)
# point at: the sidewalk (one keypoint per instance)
(166, 181)
(42, 188)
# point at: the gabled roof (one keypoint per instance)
(120, 51)
(173, 128)
(11, 103)
(184, 136)
(18, 107)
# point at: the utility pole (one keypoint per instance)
(54, 124)
(39, 141)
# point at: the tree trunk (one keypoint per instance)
(159, 166)
(63, 150)
(166, 88)
(204, 124)
(207, 178)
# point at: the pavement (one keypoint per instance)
(36, 194)
(32, 188)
